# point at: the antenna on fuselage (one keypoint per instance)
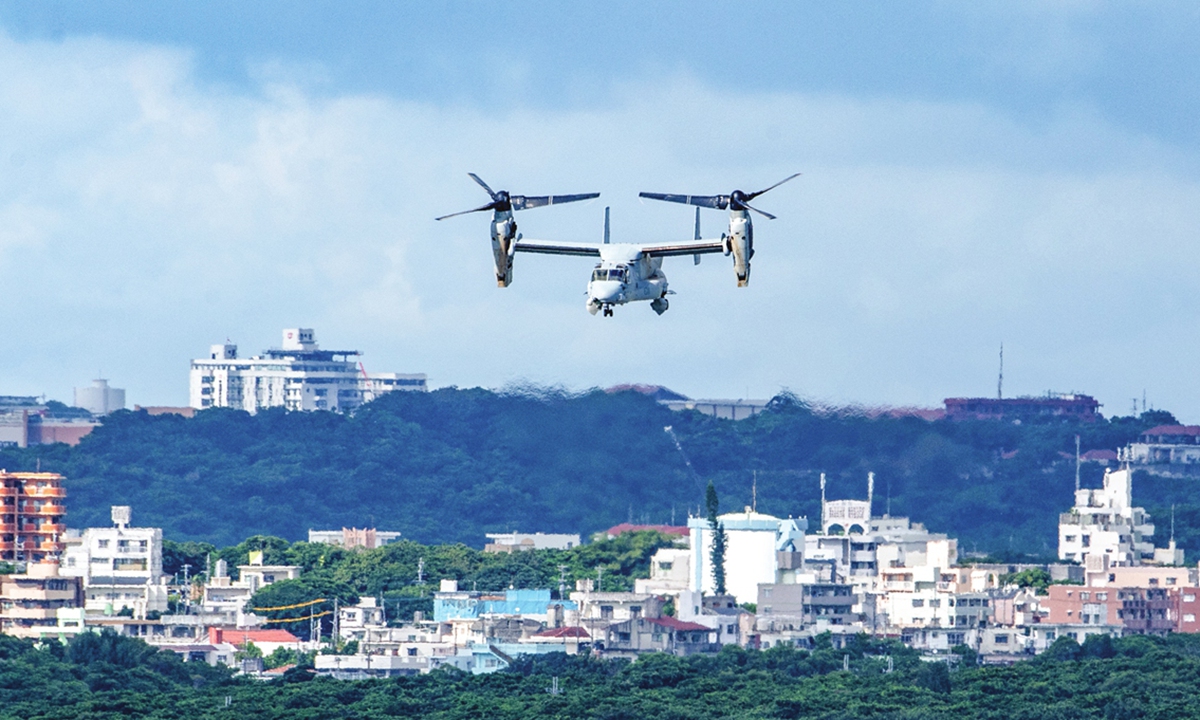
(605, 226)
(696, 258)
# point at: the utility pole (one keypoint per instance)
(1077, 463)
(421, 571)
(754, 493)
(562, 582)
(337, 625)
(187, 589)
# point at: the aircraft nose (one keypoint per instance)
(606, 290)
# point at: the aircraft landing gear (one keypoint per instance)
(608, 311)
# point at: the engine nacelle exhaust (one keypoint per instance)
(504, 236)
(740, 244)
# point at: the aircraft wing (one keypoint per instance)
(696, 247)
(545, 247)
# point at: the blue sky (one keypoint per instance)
(179, 173)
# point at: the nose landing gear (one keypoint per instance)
(608, 310)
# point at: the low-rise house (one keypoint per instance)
(266, 640)
(364, 667)
(515, 542)
(354, 620)
(658, 634)
(670, 569)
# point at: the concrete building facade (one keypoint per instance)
(32, 516)
(297, 376)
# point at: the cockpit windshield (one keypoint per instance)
(616, 274)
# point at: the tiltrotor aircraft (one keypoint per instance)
(626, 272)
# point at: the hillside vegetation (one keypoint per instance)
(451, 465)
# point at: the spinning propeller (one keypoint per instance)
(502, 201)
(736, 200)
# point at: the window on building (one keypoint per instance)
(1189, 598)
(918, 602)
(606, 612)
(635, 611)
(412, 652)
(101, 543)
(1189, 617)
(1002, 639)
(1101, 596)
(1170, 581)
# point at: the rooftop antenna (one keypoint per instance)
(1077, 463)
(1000, 380)
(1143, 399)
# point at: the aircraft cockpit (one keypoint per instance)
(614, 274)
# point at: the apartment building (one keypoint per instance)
(1105, 522)
(297, 376)
(32, 603)
(32, 516)
(1136, 610)
(120, 566)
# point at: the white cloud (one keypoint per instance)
(144, 215)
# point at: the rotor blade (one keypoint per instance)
(489, 206)
(751, 196)
(767, 215)
(718, 202)
(483, 185)
(525, 202)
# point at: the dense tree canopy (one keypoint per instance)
(103, 677)
(451, 465)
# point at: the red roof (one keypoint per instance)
(239, 636)
(616, 530)
(564, 632)
(672, 623)
(1099, 456)
(1174, 430)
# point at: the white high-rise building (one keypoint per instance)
(296, 376)
(1104, 522)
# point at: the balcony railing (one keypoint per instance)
(46, 492)
(44, 510)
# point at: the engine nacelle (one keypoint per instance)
(504, 233)
(740, 244)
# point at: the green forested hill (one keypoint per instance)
(450, 465)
